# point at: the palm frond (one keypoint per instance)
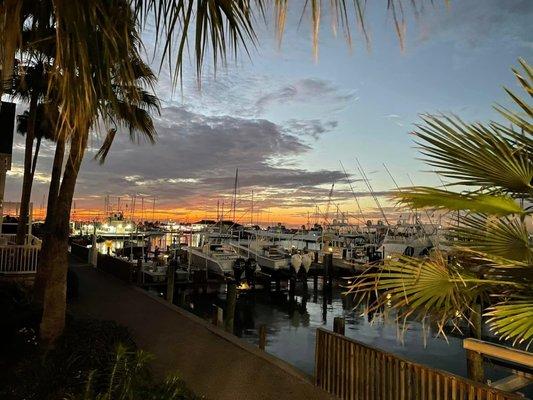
(475, 155)
(513, 319)
(421, 288)
(505, 238)
(427, 197)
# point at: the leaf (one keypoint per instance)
(475, 155)
(427, 197)
(513, 319)
(424, 287)
(505, 238)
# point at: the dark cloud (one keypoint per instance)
(196, 155)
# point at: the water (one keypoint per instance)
(291, 327)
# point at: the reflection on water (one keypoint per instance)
(291, 325)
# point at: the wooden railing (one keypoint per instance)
(19, 259)
(352, 370)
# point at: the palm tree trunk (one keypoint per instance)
(55, 181)
(27, 177)
(35, 156)
(474, 360)
(55, 246)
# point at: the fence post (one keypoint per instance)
(339, 325)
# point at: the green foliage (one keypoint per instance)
(490, 256)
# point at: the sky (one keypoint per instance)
(287, 120)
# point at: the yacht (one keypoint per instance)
(217, 256)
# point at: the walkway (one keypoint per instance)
(211, 362)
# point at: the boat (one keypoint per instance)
(409, 239)
(269, 256)
(217, 256)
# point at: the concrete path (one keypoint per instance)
(211, 362)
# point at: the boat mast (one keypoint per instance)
(369, 186)
(252, 211)
(235, 193)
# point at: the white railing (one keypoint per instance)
(19, 259)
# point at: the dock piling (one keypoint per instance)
(339, 325)
(171, 276)
(217, 316)
(231, 301)
(262, 337)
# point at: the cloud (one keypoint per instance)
(196, 155)
(304, 90)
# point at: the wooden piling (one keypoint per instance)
(328, 270)
(474, 360)
(171, 277)
(339, 325)
(217, 316)
(262, 337)
(292, 286)
(231, 301)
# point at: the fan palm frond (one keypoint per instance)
(426, 197)
(505, 238)
(513, 319)
(475, 155)
(421, 288)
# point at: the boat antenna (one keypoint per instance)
(369, 186)
(353, 192)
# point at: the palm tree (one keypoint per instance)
(490, 262)
(30, 83)
(123, 105)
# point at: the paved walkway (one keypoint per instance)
(213, 364)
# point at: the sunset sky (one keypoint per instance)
(286, 121)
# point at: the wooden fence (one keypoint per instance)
(352, 370)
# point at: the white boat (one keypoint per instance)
(216, 255)
(414, 240)
(270, 257)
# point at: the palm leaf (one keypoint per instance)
(513, 319)
(426, 197)
(421, 287)
(475, 155)
(505, 238)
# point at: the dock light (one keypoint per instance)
(330, 249)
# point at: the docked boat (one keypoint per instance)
(270, 257)
(217, 256)
(414, 240)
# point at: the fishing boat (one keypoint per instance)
(217, 256)
(270, 257)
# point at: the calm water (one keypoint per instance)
(291, 324)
